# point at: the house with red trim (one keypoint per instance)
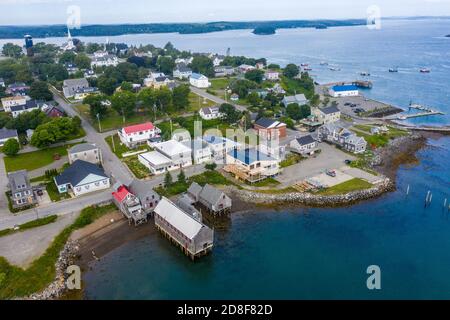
(138, 134)
(129, 205)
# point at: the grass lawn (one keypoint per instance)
(196, 103)
(346, 187)
(219, 83)
(118, 148)
(54, 194)
(211, 177)
(188, 124)
(269, 182)
(30, 225)
(290, 160)
(379, 140)
(34, 160)
(139, 170)
(17, 282)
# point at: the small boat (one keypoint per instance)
(365, 74)
(335, 69)
(307, 69)
(304, 65)
(425, 70)
(393, 69)
(324, 63)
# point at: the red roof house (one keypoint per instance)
(138, 134)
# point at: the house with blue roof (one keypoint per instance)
(199, 80)
(251, 165)
(348, 90)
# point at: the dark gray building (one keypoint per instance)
(21, 190)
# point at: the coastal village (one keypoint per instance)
(180, 140)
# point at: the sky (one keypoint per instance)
(26, 12)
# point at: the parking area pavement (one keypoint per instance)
(327, 181)
(358, 173)
(329, 158)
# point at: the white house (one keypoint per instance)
(104, 61)
(157, 80)
(81, 178)
(138, 134)
(169, 155)
(272, 75)
(244, 68)
(71, 86)
(9, 102)
(327, 115)
(224, 71)
(2, 83)
(306, 145)
(82, 93)
(182, 72)
(344, 91)
(199, 81)
(201, 153)
(30, 105)
(337, 134)
(220, 146)
(209, 113)
(6, 134)
(299, 99)
(217, 60)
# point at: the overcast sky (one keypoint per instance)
(19, 12)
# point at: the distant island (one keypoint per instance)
(259, 27)
(448, 36)
(265, 30)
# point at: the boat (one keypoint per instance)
(393, 69)
(304, 65)
(425, 70)
(307, 69)
(335, 69)
(324, 63)
(365, 74)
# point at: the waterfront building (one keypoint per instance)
(344, 91)
(149, 199)
(220, 146)
(210, 113)
(327, 115)
(139, 134)
(22, 193)
(86, 152)
(129, 205)
(270, 129)
(337, 134)
(215, 200)
(201, 153)
(251, 165)
(191, 235)
(199, 81)
(82, 177)
(305, 145)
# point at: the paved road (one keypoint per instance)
(112, 165)
(214, 98)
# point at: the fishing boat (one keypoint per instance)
(335, 69)
(393, 69)
(304, 65)
(365, 73)
(307, 68)
(425, 70)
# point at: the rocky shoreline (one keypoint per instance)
(58, 287)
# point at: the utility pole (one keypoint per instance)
(99, 124)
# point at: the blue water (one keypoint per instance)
(304, 253)
(408, 45)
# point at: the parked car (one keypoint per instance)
(331, 173)
(348, 161)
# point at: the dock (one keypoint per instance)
(425, 112)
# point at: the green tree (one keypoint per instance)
(106, 84)
(181, 97)
(242, 87)
(255, 75)
(126, 86)
(163, 98)
(39, 90)
(67, 57)
(254, 99)
(181, 177)
(11, 147)
(124, 103)
(203, 65)
(166, 64)
(231, 115)
(12, 50)
(168, 180)
(147, 98)
(82, 61)
(96, 105)
(291, 71)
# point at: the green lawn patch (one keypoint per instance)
(34, 160)
(17, 282)
(291, 159)
(116, 146)
(54, 194)
(268, 182)
(30, 225)
(139, 170)
(346, 187)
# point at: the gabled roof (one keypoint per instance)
(139, 127)
(210, 194)
(172, 147)
(121, 193)
(329, 110)
(195, 189)
(7, 133)
(269, 123)
(78, 171)
(18, 180)
(31, 104)
(198, 76)
(305, 140)
(179, 219)
(82, 147)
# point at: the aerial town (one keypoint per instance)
(171, 137)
